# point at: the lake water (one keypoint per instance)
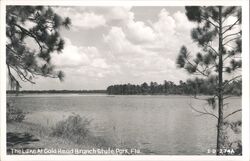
(155, 124)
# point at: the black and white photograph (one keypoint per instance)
(124, 80)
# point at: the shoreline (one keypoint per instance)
(40, 142)
(111, 95)
(39, 137)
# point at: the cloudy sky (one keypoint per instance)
(114, 45)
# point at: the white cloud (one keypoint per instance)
(131, 51)
(118, 43)
(182, 23)
(166, 24)
(100, 63)
(138, 31)
(133, 58)
(81, 18)
(71, 56)
(74, 56)
(172, 31)
(115, 38)
(121, 46)
(167, 33)
(88, 20)
(149, 51)
(118, 13)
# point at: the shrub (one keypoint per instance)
(232, 140)
(14, 113)
(74, 128)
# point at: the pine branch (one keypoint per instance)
(207, 111)
(232, 47)
(11, 14)
(30, 34)
(14, 52)
(213, 49)
(12, 77)
(231, 35)
(230, 27)
(33, 73)
(203, 113)
(225, 71)
(22, 63)
(206, 19)
(21, 75)
(228, 56)
(231, 40)
(199, 71)
(226, 18)
(224, 98)
(232, 113)
(239, 76)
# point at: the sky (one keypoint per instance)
(118, 45)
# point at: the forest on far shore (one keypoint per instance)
(190, 87)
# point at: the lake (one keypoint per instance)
(154, 124)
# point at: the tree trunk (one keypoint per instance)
(220, 133)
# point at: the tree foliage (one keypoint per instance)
(197, 86)
(207, 31)
(32, 36)
(218, 36)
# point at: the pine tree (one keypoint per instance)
(220, 44)
(32, 35)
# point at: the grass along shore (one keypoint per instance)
(26, 135)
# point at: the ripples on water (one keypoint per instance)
(154, 124)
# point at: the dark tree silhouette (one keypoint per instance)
(32, 35)
(221, 53)
(197, 86)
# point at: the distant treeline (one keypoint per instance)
(55, 91)
(190, 87)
